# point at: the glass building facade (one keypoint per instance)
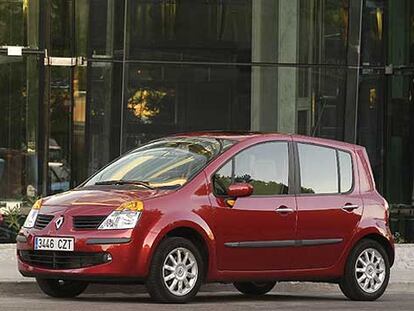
(97, 78)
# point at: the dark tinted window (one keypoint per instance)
(345, 165)
(318, 169)
(265, 167)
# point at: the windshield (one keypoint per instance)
(163, 163)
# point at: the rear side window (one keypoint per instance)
(264, 166)
(324, 170)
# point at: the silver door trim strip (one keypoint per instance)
(282, 243)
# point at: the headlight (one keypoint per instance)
(124, 217)
(31, 218)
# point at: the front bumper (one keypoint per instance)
(126, 256)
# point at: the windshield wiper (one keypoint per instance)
(125, 182)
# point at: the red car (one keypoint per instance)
(248, 208)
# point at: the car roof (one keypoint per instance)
(246, 135)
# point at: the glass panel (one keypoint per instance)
(81, 26)
(307, 101)
(19, 22)
(79, 156)
(190, 30)
(223, 179)
(106, 28)
(373, 35)
(164, 99)
(103, 114)
(323, 31)
(19, 98)
(318, 169)
(265, 167)
(164, 163)
(345, 170)
(60, 147)
(370, 129)
(62, 28)
(400, 138)
(400, 32)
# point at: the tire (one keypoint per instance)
(61, 288)
(254, 288)
(163, 282)
(373, 277)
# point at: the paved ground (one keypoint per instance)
(18, 293)
(207, 301)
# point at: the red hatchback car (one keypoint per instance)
(246, 208)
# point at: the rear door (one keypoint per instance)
(329, 204)
(257, 233)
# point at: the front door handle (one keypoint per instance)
(284, 210)
(350, 207)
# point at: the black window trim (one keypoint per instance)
(291, 170)
(297, 170)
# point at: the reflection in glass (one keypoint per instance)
(345, 166)
(318, 169)
(60, 130)
(265, 167)
(19, 23)
(164, 163)
(190, 30)
(165, 99)
(106, 28)
(103, 114)
(371, 122)
(19, 97)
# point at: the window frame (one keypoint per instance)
(337, 150)
(291, 170)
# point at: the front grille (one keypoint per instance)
(87, 222)
(42, 221)
(62, 260)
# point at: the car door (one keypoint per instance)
(329, 204)
(258, 231)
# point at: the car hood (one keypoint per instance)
(95, 201)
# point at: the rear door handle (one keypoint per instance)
(350, 207)
(284, 210)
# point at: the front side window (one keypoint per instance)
(164, 163)
(324, 170)
(264, 166)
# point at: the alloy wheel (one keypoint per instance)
(180, 271)
(370, 270)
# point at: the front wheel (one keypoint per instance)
(61, 288)
(254, 288)
(176, 271)
(367, 272)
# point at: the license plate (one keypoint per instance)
(54, 244)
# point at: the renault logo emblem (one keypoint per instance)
(59, 222)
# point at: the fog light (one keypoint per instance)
(108, 257)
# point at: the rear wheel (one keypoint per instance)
(254, 288)
(367, 272)
(61, 288)
(176, 271)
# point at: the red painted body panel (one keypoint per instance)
(194, 206)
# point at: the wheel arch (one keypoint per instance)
(195, 237)
(384, 242)
(199, 234)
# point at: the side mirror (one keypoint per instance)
(240, 190)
